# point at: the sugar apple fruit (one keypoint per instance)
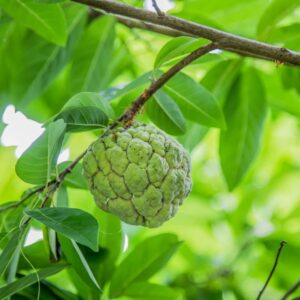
(139, 174)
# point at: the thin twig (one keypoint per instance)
(226, 41)
(157, 9)
(292, 290)
(282, 243)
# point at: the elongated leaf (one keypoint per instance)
(74, 223)
(37, 162)
(20, 284)
(165, 113)
(77, 260)
(83, 118)
(177, 47)
(46, 20)
(75, 179)
(150, 291)
(220, 78)
(37, 65)
(277, 10)
(245, 111)
(10, 249)
(93, 56)
(111, 238)
(86, 99)
(196, 103)
(144, 261)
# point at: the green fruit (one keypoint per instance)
(139, 174)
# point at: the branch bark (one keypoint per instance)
(226, 41)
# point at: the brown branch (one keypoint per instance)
(272, 270)
(226, 41)
(135, 107)
(292, 290)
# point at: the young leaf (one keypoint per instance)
(74, 223)
(92, 56)
(75, 179)
(46, 20)
(10, 249)
(196, 103)
(277, 10)
(87, 99)
(40, 60)
(245, 111)
(37, 162)
(83, 118)
(78, 261)
(62, 198)
(144, 261)
(165, 113)
(22, 283)
(177, 47)
(150, 291)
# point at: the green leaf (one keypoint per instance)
(11, 248)
(220, 78)
(37, 162)
(245, 112)
(196, 103)
(62, 197)
(87, 99)
(46, 20)
(177, 47)
(78, 261)
(150, 291)
(277, 10)
(144, 261)
(165, 113)
(20, 284)
(74, 223)
(93, 56)
(83, 118)
(111, 238)
(40, 60)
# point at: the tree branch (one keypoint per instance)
(272, 270)
(226, 41)
(157, 9)
(136, 106)
(292, 290)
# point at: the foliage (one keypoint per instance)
(238, 117)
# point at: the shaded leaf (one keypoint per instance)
(78, 261)
(245, 112)
(165, 113)
(150, 291)
(46, 20)
(72, 222)
(37, 162)
(20, 284)
(144, 261)
(196, 103)
(92, 56)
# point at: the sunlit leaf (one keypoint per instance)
(37, 162)
(69, 222)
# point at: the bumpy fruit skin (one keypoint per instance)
(139, 174)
